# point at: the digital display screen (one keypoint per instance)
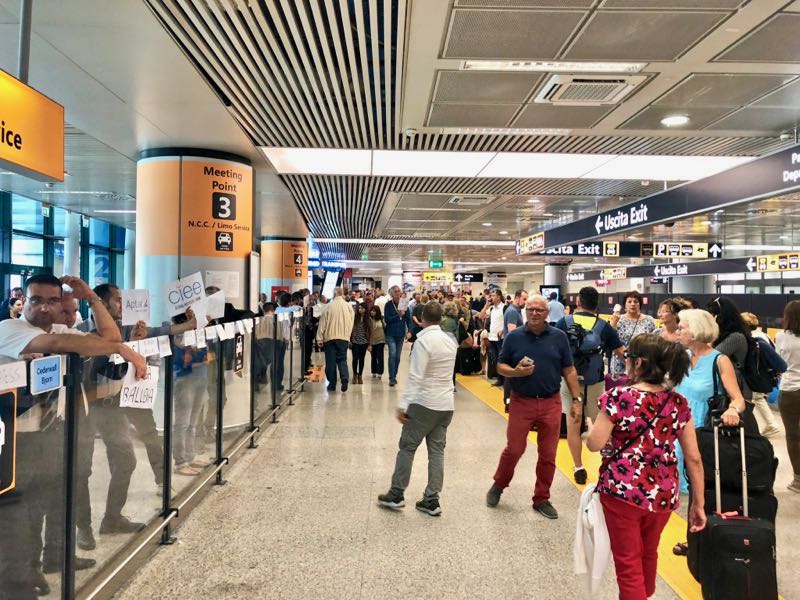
(331, 278)
(546, 290)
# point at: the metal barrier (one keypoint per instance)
(231, 388)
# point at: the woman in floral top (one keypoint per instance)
(637, 429)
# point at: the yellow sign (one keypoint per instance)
(680, 250)
(778, 262)
(617, 273)
(437, 277)
(31, 131)
(531, 244)
(610, 248)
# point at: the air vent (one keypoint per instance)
(471, 200)
(583, 90)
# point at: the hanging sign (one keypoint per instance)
(680, 250)
(440, 277)
(238, 354)
(777, 262)
(530, 244)
(31, 131)
(139, 393)
(181, 294)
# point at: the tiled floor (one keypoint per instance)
(299, 519)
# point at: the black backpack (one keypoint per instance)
(760, 369)
(587, 349)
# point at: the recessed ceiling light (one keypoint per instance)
(705, 222)
(533, 200)
(784, 237)
(675, 120)
(548, 215)
(545, 66)
(486, 224)
(503, 258)
(504, 232)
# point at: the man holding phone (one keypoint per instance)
(541, 357)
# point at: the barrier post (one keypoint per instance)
(272, 379)
(220, 404)
(291, 355)
(253, 375)
(166, 534)
(70, 468)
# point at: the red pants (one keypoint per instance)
(634, 535)
(522, 413)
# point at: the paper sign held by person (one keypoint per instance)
(135, 307)
(141, 393)
(181, 294)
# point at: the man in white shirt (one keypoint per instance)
(494, 310)
(425, 409)
(40, 432)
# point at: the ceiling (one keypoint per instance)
(390, 74)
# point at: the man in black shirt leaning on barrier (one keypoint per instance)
(38, 495)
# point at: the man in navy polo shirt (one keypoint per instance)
(535, 398)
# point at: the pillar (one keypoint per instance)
(556, 275)
(130, 259)
(194, 213)
(72, 244)
(284, 265)
(701, 284)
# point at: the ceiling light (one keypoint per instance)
(705, 223)
(416, 242)
(674, 120)
(548, 215)
(533, 200)
(486, 224)
(428, 164)
(543, 165)
(784, 237)
(664, 168)
(504, 232)
(319, 161)
(545, 66)
(114, 211)
(503, 258)
(505, 131)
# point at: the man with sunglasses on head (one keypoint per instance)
(535, 357)
(38, 496)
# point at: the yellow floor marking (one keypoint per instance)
(671, 568)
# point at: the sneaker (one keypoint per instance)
(390, 500)
(795, 485)
(392, 382)
(580, 476)
(493, 496)
(497, 383)
(186, 470)
(119, 524)
(546, 509)
(430, 507)
(344, 385)
(85, 539)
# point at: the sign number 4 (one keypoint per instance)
(298, 258)
(223, 206)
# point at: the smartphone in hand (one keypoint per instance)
(525, 361)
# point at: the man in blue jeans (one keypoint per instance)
(396, 323)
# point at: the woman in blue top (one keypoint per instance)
(697, 331)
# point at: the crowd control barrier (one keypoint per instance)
(96, 467)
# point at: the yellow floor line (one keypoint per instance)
(671, 568)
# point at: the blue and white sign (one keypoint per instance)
(46, 374)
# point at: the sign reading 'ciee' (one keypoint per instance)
(31, 131)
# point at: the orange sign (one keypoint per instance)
(295, 260)
(216, 208)
(31, 131)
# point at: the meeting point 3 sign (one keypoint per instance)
(216, 208)
(8, 436)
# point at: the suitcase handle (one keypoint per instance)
(717, 423)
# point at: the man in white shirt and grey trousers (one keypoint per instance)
(425, 409)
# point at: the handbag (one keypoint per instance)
(624, 379)
(464, 338)
(719, 402)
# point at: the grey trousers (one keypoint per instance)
(431, 426)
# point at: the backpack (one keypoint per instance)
(762, 366)
(587, 349)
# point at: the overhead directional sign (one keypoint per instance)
(764, 177)
(715, 250)
(614, 273)
(435, 264)
(778, 262)
(437, 277)
(468, 277)
(605, 248)
(688, 269)
(681, 250)
(530, 244)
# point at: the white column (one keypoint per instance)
(555, 275)
(72, 245)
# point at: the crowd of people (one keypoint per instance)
(640, 387)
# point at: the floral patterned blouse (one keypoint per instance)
(646, 473)
(627, 329)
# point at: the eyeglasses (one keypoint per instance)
(536, 310)
(39, 301)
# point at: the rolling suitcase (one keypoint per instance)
(759, 455)
(733, 557)
(468, 361)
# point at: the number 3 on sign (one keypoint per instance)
(223, 206)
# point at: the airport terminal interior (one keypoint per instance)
(254, 252)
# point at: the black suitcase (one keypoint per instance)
(762, 506)
(759, 458)
(733, 557)
(468, 361)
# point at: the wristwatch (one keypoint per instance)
(577, 399)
